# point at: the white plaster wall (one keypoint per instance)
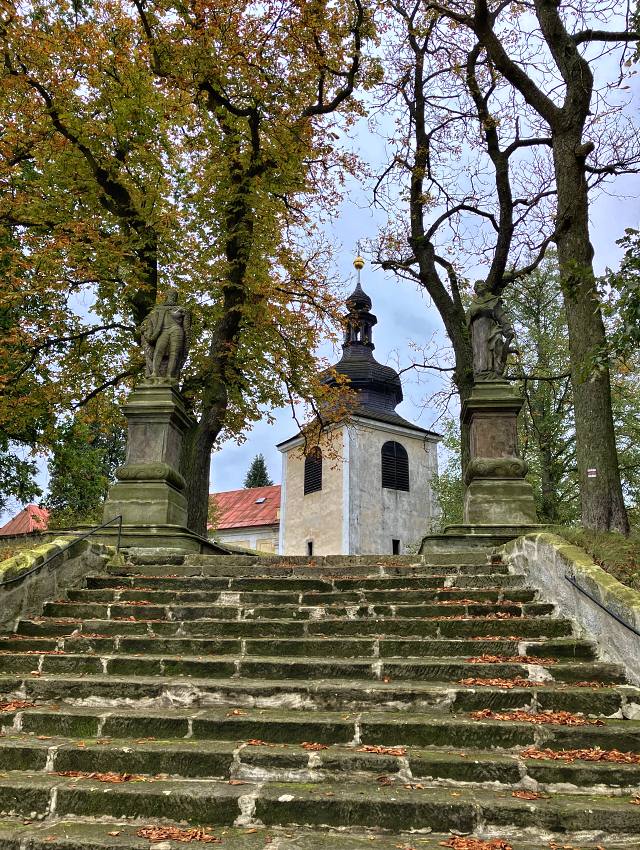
(317, 516)
(377, 515)
(264, 538)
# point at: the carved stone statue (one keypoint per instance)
(165, 338)
(491, 333)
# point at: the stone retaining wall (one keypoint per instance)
(546, 559)
(26, 597)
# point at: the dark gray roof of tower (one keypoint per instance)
(359, 299)
(379, 386)
(390, 417)
(365, 373)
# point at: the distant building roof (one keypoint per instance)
(31, 518)
(249, 507)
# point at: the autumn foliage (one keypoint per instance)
(148, 144)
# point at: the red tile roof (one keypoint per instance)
(243, 508)
(30, 518)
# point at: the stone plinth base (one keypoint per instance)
(499, 501)
(146, 501)
(472, 538)
(509, 531)
(496, 493)
(151, 491)
(173, 537)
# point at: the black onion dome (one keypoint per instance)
(358, 300)
(379, 387)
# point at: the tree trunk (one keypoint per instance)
(463, 379)
(196, 460)
(602, 502)
(221, 371)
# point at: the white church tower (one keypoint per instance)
(366, 488)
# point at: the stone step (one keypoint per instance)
(523, 627)
(327, 694)
(311, 585)
(275, 598)
(323, 727)
(305, 573)
(199, 582)
(265, 762)
(318, 666)
(86, 834)
(472, 555)
(348, 805)
(349, 647)
(174, 611)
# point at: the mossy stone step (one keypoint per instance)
(176, 611)
(325, 727)
(306, 573)
(199, 582)
(521, 627)
(196, 758)
(428, 669)
(242, 598)
(296, 804)
(327, 694)
(121, 835)
(349, 647)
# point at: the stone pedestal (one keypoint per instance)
(496, 492)
(150, 488)
(150, 492)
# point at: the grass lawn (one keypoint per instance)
(619, 556)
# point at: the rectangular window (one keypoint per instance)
(395, 466)
(313, 471)
(310, 548)
(395, 547)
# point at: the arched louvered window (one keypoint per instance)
(313, 471)
(395, 466)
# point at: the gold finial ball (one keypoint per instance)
(358, 263)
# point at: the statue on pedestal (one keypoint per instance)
(165, 338)
(491, 333)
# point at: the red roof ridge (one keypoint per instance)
(241, 508)
(30, 518)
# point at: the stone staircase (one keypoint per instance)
(344, 703)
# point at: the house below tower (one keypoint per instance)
(247, 518)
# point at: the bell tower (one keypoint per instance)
(366, 488)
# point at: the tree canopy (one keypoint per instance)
(151, 144)
(501, 133)
(203, 146)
